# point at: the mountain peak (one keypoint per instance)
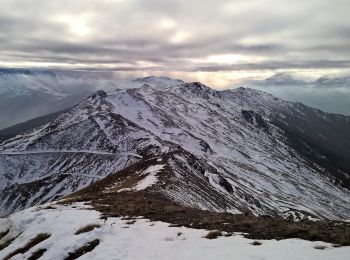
(99, 94)
(196, 85)
(333, 82)
(282, 79)
(199, 89)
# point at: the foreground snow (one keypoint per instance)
(143, 239)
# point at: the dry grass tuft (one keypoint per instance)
(87, 228)
(37, 254)
(130, 222)
(83, 250)
(3, 234)
(7, 243)
(213, 234)
(320, 247)
(49, 207)
(256, 243)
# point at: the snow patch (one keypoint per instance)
(150, 179)
(145, 240)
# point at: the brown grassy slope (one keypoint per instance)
(152, 204)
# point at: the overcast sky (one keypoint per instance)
(217, 42)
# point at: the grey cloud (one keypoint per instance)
(172, 34)
(275, 65)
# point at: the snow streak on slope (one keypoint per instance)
(141, 239)
(226, 140)
(150, 179)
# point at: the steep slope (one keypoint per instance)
(80, 146)
(322, 138)
(223, 150)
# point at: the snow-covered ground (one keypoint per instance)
(143, 239)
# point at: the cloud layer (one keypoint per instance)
(214, 41)
(328, 94)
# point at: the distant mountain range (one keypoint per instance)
(328, 94)
(284, 79)
(29, 93)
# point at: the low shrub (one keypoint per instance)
(37, 254)
(83, 250)
(213, 234)
(319, 247)
(256, 243)
(87, 228)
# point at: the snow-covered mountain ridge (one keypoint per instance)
(219, 150)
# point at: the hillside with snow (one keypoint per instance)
(163, 169)
(226, 151)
